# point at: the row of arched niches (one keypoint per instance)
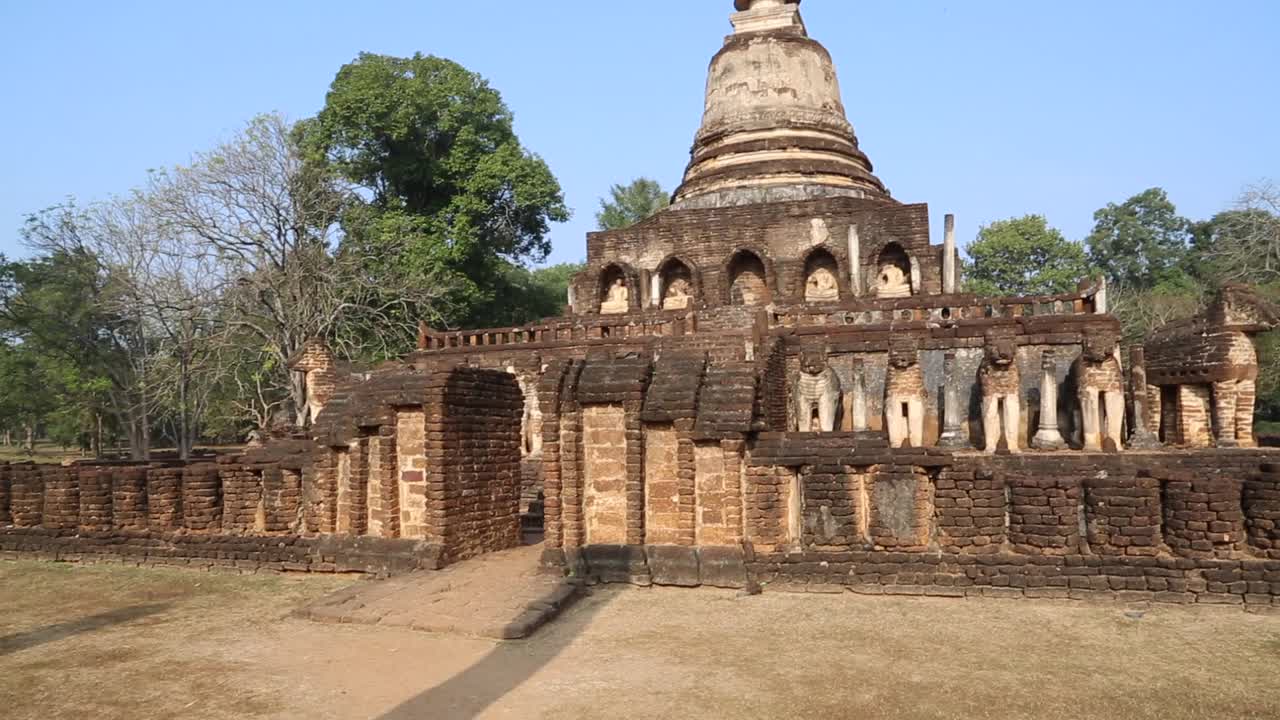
(750, 278)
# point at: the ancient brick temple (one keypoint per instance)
(777, 380)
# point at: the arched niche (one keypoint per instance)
(894, 276)
(616, 290)
(677, 285)
(748, 279)
(821, 277)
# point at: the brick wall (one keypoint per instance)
(473, 439)
(1262, 509)
(453, 458)
(841, 509)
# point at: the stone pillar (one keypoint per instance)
(571, 297)
(1049, 437)
(1142, 437)
(949, 256)
(859, 403)
(855, 261)
(655, 290)
(953, 411)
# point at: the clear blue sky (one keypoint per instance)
(984, 108)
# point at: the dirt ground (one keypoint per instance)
(119, 642)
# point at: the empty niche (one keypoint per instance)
(747, 279)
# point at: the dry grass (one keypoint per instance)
(44, 453)
(119, 641)
(196, 645)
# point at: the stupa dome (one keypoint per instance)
(774, 127)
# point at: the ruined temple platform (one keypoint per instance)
(502, 596)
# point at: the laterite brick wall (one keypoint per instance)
(435, 481)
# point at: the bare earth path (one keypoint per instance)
(119, 642)
(502, 595)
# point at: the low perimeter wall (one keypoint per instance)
(1174, 527)
(231, 515)
(413, 470)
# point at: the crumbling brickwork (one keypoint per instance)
(201, 498)
(970, 508)
(1262, 508)
(164, 499)
(1124, 514)
(61, 498)
(243, 501)
(1203, 516)
(95, 499)
(129, 508)
(1044, 514)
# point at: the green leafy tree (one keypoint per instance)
(1142, 242)
(1024, 256)
(53, 305)
(26, 397)
(629, 204)
(523, 295)
(549, 293)
(432, 148)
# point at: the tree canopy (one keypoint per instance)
(1142, 242)
(631, 203)
(1024, 256)
(431, 147)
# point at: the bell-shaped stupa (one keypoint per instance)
(774, 128)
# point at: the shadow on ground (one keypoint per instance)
(501, 670)
(60, 631)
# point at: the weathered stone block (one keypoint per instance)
(673, 565)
